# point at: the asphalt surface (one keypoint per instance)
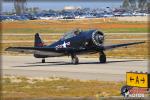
(87, 69)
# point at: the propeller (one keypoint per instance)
(98, 38)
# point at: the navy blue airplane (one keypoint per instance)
(72, 44)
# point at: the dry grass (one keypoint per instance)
(49, 26)
(69, 25)
(58, 26)
(22, 87)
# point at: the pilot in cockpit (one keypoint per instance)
(77, 32)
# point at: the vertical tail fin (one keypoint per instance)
(38, 41)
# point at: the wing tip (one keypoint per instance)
(142, 42)
(10, 48)
(7, 49)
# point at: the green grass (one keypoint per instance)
(21, 87)
(49, 30)
(126, 30)
(30, 30)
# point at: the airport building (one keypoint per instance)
(72, 8)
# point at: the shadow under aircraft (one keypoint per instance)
(73, 43)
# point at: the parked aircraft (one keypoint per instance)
(73, 43)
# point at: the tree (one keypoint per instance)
(135, 4)
(19, 6)
(125, 4)
(142, 4)
(132, 4)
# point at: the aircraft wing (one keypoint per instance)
(21, 49)
(42, 49)
(120, 45)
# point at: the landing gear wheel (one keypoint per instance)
(102, 58)
(43, 60)
(75, 60)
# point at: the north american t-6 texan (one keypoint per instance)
(73, 43)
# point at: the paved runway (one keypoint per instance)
(88, 69)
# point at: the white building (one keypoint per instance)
(71, 8)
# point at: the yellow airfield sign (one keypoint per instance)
(137, 79)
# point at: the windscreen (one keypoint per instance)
(71, 34)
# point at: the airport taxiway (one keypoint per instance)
(87, 69)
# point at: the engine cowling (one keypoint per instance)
(98, 38)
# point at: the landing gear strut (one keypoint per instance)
(75, 59)
(102, 57)
(43, 60)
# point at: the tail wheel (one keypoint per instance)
(75, 59)
(102, 58)
(43, 60)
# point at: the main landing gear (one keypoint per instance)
(102, 57)
(75, 59)
(43, 60)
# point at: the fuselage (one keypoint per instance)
(83, 42)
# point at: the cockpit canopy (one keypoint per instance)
(71, 34)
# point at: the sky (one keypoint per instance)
(57, 5)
